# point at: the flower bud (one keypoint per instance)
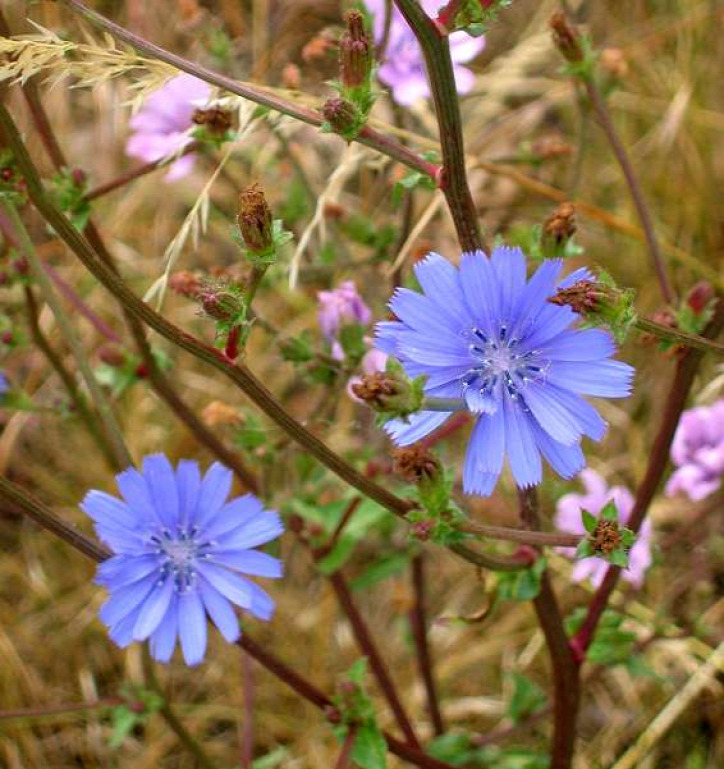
(355, 52)
(416, 463)
(700, 296)
(606, 537)
(566, 38)
(221, 303)
(255, 220)
(112, 355)
(341, 115)
(583, 297)
(559, 228)
(215, 120)
(381, 391)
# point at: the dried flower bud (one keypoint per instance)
(606, 537)
(221, 303)
(220, 414)
(560, 227)
(566, 38)
(112, 355)
(355, 52)
(332, 714)
(700, 296)
(215, 120)
(415, 463)
(340, 114)
(583, 297)
(613, 61)
(79, 177)
(255, 220)
(185, 283)
(379, 390)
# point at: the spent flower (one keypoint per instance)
(483, 334)
(339, 307)
(403, 68)
(698, 452)
(569, 518)
(161, 128)
(181, 551)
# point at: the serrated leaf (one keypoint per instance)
(370, 747)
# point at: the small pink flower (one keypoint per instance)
(403, 69)
(598, 494)
(374, 361)
(161, 127)
(338, 307)
(698, 452)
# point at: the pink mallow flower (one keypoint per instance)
(338, 307)
(598, 494)
(374, 361)
(698, 452)
(403, 69)
(161, 127)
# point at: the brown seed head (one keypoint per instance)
(415, 463)
(255, 219)
(566, 38)
(377, 389)
(560, 225)
(606, 537)
(216, 120)
(355, 52)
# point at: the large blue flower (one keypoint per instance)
(484, 334)
(178, 547)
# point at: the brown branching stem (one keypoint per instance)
(368, 136)
(418, 624)
(436, 50)
(345, 755)
(686, 370)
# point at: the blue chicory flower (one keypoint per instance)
(4, 384)
(179, 552)
(484, 334)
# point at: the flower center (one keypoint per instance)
(179, 552)
(500, 359)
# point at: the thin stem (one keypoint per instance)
(238, 373)
(523, 536)
(686, 371)
(418, 623)
(436, 50)
(79, 403)
(46, 711)
(368, 136)
(247, 729)
(566, 682)
(369, 649)
(45, 517)
(136, 173)
(108, 419)
(604, 119)
(168, 713)
(343, 521)
(345, 755)
(679, 337)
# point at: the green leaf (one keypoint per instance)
(527, 698)
(589, 521)
(370, 747)
(123, 721)
(618, 558)
(585, 549)
(271, 760)
(521, 585)
(386, 567)
(339, 555)
(351, 337)
(609, 512)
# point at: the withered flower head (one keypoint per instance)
(606, 537)
(355, 52)
(415, 463)
(560, 226)
(255, 220)
(566, 38)
(340, 114)
(216, 120)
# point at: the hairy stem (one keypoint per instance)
(436, 50)
(55, 360)
(107, 417)
(418, 623)
(681, 338)
(368, 136)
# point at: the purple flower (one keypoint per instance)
(178, 549)
(484, 334)
(698, 452)
(598, 495)
(336, 308)
(4, 384)
(161, 126)
(403, 69)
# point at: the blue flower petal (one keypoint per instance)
(259, 530)
(154, 609)
(215, 489)
(386, 335)
(480, 289)
(433, 350)
(220, 610)
(580, 345)
(582, 273)
(192, 627)
(188, 483)
(230, 585)
(233, 514)
(262, 606)
(135, 491)
(603, 378)
(567, 461)
(523, 454)
(509, 267)
(551, 414)
(121, 570)
(121, 632)
(161, 481)
(105, 508)
(252, 562)
(550, 321)
(420, 313)
(484, 457)
(439, 280)
(417, 427)
(126, 599)
(591, 422)
(534, 297)
(163, 640)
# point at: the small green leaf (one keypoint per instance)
(585, 549)
(618, 558)
(370, 747)
(589, 521)
(609, 512)
(527, 698)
